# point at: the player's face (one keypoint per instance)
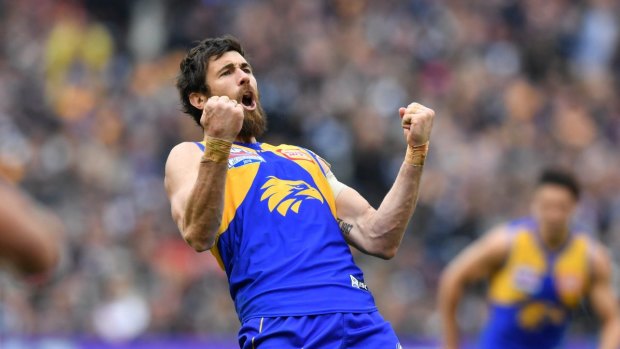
(231, 75)
(553, 206)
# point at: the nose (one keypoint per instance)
(243, 77)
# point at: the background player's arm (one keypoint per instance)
(379, 232)
(28, 233)
(475, 263)
(603, 299)
(196, 188)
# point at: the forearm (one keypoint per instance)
(610, 334)
(449, 297)
(388, 222)
(203, 212)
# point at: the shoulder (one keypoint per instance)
(493, 245)
(185, 147)
(183, 151)
(499, 238)
(182, 161)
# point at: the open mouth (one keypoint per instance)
(247, 100)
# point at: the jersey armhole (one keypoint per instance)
(200, 146)
(319, 160)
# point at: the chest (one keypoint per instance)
(281, 181)
(532, 274)
(557, 280)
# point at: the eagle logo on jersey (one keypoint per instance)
(285, 194)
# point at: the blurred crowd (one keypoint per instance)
(89, 112)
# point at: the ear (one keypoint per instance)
(198, 100)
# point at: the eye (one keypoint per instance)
(225, 72)
(247, 70)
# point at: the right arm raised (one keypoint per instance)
(195, 181)
(476, 262)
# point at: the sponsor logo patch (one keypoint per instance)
(569, 283)
(527, 280)
(358, 284)
(240, 156)
(295, 154)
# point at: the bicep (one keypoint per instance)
(353, 213)
(352, 210)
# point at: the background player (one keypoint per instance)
(539, 269)
(276, 218)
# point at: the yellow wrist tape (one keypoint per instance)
(216, 150)
(416, 155)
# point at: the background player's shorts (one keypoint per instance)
(329, 331)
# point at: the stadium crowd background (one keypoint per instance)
(89, 112)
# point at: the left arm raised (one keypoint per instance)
(379, 232)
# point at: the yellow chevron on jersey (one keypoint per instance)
(521, 273)
(572, 270)
(236, 188)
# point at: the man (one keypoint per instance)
(27, 241)
(539, 269)
(276, 218)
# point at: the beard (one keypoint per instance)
(254, 123)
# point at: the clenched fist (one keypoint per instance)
(417, 121)
(222, 118)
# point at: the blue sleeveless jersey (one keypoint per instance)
(532, 295)
(279, 241)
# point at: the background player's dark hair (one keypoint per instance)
(562, 178)
(193, 74)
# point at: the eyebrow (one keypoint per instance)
(232, 65)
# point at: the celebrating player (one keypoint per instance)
(276, 218)
(539, 269)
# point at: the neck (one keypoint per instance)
(553, 237)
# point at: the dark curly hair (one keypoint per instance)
(193, 74)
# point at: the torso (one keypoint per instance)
(279, 240)
(531, 296)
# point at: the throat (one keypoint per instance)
(554, 238)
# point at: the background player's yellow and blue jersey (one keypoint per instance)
(279, 241)
(532, 295)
